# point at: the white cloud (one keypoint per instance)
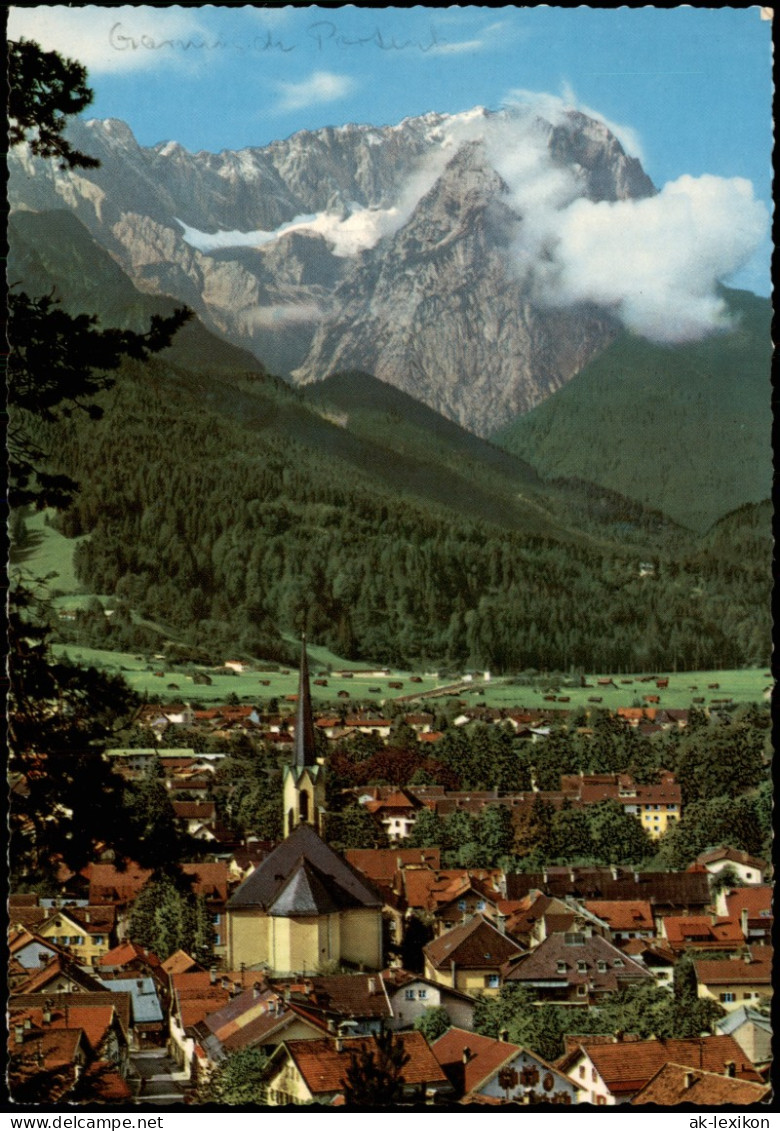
(283, 314)
(656, 262)
(318, 88)
(554, 107)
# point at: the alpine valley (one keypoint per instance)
(374, 421)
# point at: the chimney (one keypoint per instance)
(213, 975)
(729, 1068)
(255, 991)
(743, 922)
(466, 1054)
(28, 1023)
(339, 1043)
(371, 986)
(689, 1080)
(614, 871)
(501, 922)
(19, 1034)
(503, 1035)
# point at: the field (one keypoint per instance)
(49, 553)
(258, 687)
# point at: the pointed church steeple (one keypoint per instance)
(305, 753)
(304, 779)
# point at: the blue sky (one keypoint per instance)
(688, 89)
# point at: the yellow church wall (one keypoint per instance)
(361, 937)
(247, 938)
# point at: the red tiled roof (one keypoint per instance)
(485, 1055)
(699, 930)
(379, 864)
(756, 900)
(474, 945)
(627, 1066)
(128, 952)
(623, 915)
(677, 1084)
(725, 971)
(76, 1013)
(323, 1068)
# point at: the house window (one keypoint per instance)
(422, 995)
(602, 967)
(582, 990)
(617, 961)
(481, 905)
(492, 981)
(98, 940)
(727, 997)
(561, 967)
(582, 967)
(461, 905)
(582, 1072)
(409, 995)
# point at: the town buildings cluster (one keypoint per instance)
(316, 954)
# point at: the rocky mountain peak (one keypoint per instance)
(383, 248)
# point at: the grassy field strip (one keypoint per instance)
(258, 686)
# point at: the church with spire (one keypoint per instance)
(304, 780)
(303, 908)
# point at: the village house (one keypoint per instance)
(700, 932)
(484, 1070)
(615, 1071)
(412, 995)
(668, 893)
(752, 1030)
(736, 981)
(748, 869)
(85, 931)
(471, 957)
(305, 1072)
(626, 919)
(575, 968)
(677, 1084)
(100, 1021)
(751, 909)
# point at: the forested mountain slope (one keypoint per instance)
(685, 429)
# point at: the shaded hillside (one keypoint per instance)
(685, 429)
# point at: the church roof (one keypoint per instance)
(306, 892)
(304, 864)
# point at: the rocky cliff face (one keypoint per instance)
(398, 250)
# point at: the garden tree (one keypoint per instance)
(495, 835)
(374, 1077)
(428, 831)
(744, 821)
(167, 916)
(152, 819)
(513, 1011)
(354, 827)
(570, 837)
(433, 1022)
(532, 831)
(727, 877)
(236, 1081)
(722, 761)
(617, 836)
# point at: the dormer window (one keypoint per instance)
(602, 966)
(582, 967)
(561, 966)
